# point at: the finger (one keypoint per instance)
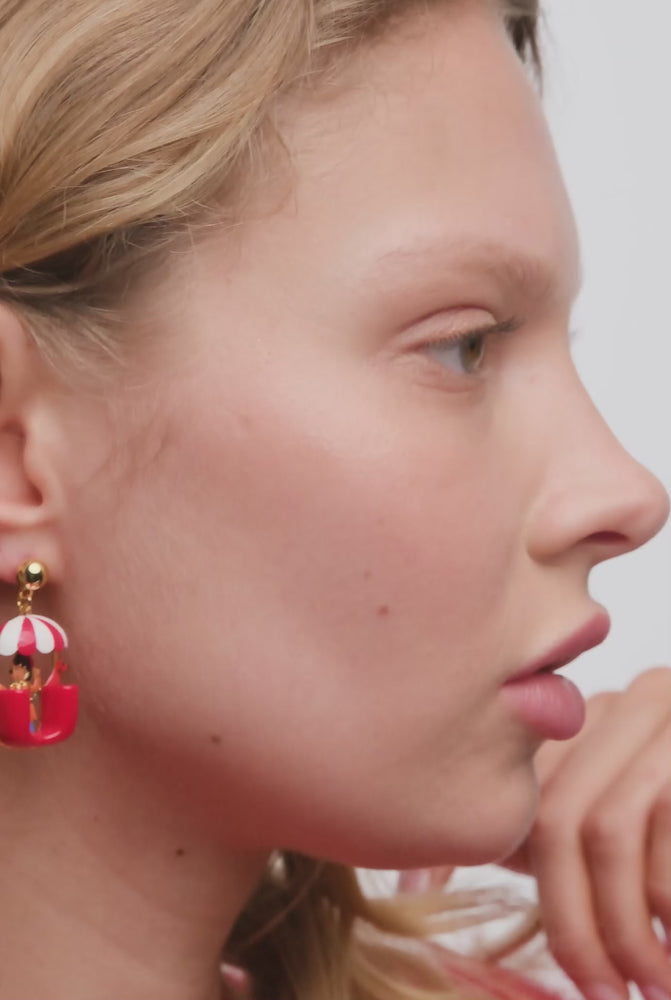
(659, 859)
(596, 760)
(553, 753)
(617, 725)
(567, 908)
(549, 758)
(615, 839)
(593, 765)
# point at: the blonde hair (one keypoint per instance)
(112, 149)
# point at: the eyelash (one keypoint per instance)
(485, 332)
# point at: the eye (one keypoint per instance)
(464, 354)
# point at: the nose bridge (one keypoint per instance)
(594, 494)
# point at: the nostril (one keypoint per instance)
(607, 538)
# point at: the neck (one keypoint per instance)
(106, 892)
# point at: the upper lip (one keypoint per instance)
(591, 634)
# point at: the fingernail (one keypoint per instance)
(602, 991)
(654, 993)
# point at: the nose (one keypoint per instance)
(596, 499)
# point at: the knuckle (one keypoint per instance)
(656, 681)
(602, 700)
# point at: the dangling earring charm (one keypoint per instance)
(33, 714)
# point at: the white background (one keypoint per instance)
(608, 99)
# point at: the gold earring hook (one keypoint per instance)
(30, 577)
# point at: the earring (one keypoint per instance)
(33, 714)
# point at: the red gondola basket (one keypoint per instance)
(29, 634)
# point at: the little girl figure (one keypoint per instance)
(25, 676)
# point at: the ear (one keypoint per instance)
(29, 495)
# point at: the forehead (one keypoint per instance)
(432, 141)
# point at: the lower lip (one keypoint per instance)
(549, 704)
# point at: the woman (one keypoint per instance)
(287, 392)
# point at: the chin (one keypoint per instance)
(464, 833)
(464, 844)
(496, 846)
(497, 836)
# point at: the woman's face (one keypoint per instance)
(358, 530)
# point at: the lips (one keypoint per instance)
(549, 705)
(591, 634)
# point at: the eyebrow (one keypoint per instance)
(520, 272)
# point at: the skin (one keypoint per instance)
(299, 483)
(599, 846)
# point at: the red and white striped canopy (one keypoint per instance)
(28, 634)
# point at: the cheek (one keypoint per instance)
(361, 533)
(341, 575)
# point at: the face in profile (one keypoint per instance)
(362, 481)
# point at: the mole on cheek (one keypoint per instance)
(215, 739)
(180, 852)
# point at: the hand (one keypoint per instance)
(600, 847)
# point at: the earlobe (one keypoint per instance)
(27, 489)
